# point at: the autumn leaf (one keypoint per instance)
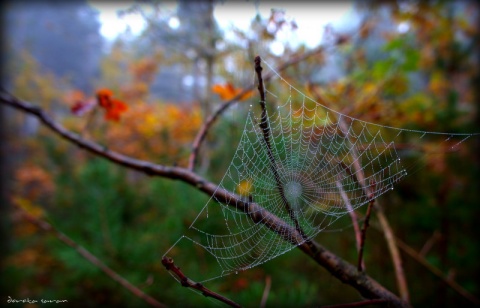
(103, 97)
(80, 108)
(438, 83)
(244, 188)
(113, 107)
(29, 207)
(228, 92)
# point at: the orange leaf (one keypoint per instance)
(104, 92)
(228, 91)
(113, 107)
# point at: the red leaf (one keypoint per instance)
(82, 107)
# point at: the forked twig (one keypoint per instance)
(45, 226)
(188, 283)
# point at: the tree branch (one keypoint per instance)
(45, 226)
(339, 268)
(188, 283)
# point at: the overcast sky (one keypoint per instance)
(311, 17)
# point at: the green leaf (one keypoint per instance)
(411, 60)
(381, 68)
(394, 44)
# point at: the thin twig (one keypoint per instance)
(45, 226)
(395, 254)
(417, 256)
(339, 268)
(188, 283)
(364, 230)
(437, 272)
(430, 242)
(363, 236)
(89, 120)
(351, 212)
(265, 126)
(266, 291)
(202, 133)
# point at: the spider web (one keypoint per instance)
(320, 162)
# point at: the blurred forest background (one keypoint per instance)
(403, 64)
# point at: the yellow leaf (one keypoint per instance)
(29, 207)
(437, 83)
(244, 188)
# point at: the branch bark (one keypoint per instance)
(339, 268)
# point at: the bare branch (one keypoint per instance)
(45, 226)
(339, 268)
(188, 283)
